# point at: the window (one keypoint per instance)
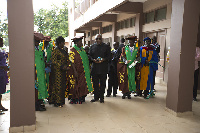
(132, 22)
(150, 17)
(161, 14)
(107, 29)
(127, 23)
(156, 15)
(110, 28)
(122, 24)
(88, 34)
(94, 32)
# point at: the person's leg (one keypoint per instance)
(95, 80)
(196, 74)
(1, 107)
(110, 83)
(103, 78)
(154, 78)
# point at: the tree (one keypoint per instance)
(53, 22)
(4, 29)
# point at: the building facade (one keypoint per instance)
(122, 18)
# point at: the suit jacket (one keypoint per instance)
(102, 51)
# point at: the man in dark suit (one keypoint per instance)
(100, 55)
(112, 71)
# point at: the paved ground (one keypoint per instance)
(116, 115)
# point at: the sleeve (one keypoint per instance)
(91, 54)
(142, 55)
(155, 60)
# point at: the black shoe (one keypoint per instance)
(129, 96)
(1, 113)
(101, 101)
(123, 97)
(58, 105)
(40, 109)
(93, 100)
(195, 99)
(114, 95)
(107, 95)
(3, 109)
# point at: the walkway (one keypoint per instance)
(136, 115)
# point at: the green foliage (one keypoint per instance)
(4, 29)
(53, 22)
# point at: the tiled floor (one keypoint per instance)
(116, 115)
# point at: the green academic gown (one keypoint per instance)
(40, 71)
(131, 55)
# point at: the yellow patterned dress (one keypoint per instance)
(59, 60)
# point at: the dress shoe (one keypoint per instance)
(129, 96)
(123, 97)
(1, 113)
(114, 95)
(107, 95)
(195, 99)
(3, 109)
(101, 101)
(93, 100)
(40, 109)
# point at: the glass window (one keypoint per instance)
(161, 14)
(122, 24)
(110, 28)
(132, 22)
(88, 34)
(150, 17)
(127, 23)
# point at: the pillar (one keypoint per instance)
(114, 33)
(138, 26)
(184, 29)
(22, 63)
(90, 37)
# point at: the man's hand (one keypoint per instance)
(99, 61)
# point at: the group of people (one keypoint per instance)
(73, 75)
(133, 67)
(60, 74)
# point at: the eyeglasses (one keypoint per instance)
(98, 38)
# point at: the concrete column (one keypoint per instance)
(91, 37)
(184, 29)
(114, 32)
(138, 26)
(22, 63)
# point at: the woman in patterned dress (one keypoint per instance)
(60, 62)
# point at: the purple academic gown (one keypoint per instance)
(2, 74)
